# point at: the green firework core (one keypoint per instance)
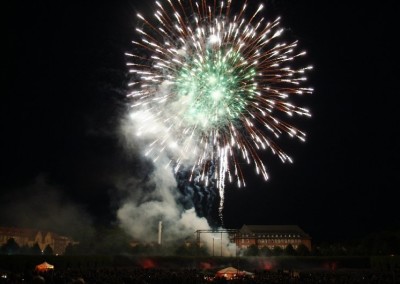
(215, 87)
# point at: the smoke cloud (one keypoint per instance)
(45, 207)
(154, 200)
(155, 196)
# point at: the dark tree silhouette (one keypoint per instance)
(252, 250)
(10, 247)
(48, 250)
(35, 249)
(303, 250)
(277, 251)
(289, 250)
(265, 251)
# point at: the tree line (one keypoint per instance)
(11, 247)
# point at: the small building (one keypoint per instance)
(271, 236)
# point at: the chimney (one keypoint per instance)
(159, 232)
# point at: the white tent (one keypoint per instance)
(228, 273)
(232, 273)
(44, 266)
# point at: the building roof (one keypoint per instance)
(28, 233)
(292, 230)
(19, 232)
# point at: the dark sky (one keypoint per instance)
(64, 96)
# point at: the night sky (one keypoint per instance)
(62, 156)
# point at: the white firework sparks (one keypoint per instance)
(214, 87)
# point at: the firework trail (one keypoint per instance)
(214, 86)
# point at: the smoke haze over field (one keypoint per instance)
(45, 207)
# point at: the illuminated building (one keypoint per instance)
(30, 237)
(271, 236)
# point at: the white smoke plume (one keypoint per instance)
(155, 198)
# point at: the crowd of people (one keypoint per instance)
(188, 276)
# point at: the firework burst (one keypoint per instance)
(213, 86)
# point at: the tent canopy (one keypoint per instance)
(232, 272)
(229, 269)
(44, 266)
(229, 272)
